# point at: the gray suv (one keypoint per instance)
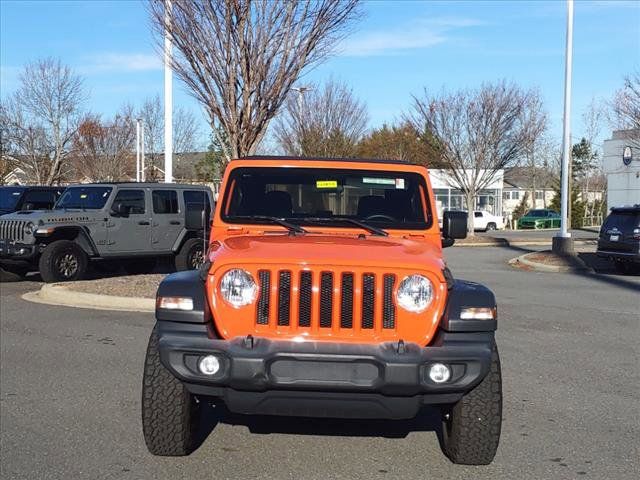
(128, 224)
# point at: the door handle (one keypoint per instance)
(174, 222)
(143, 222)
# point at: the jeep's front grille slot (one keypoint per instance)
(388, 309)
(346, 303)
(263, 301)
(284, 298)
(326, 299)
(12, 230)
(304, 308)
(350, 302)
(368, 300)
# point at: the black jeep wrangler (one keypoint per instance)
(20, 197)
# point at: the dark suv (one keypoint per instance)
(15, 198)
(132, 224)
(619, 238)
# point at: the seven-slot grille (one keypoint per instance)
(12, 229)
(358, 306)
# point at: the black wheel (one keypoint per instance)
(190, 256)
(63, 261)
(169, 411)
(471, 427)
(139, 266)
(491, 226)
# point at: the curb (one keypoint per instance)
(519, 243)
(541, 267)
(57, 294)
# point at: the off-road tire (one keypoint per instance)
(184, 259)
(169, 411)
(471, 432)
(57, 262)
(490, 227)
(139, 266)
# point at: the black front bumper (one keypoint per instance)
(12, 252)
(262, 376)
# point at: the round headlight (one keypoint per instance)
(238, 288)
(415, 293)
(29, 228)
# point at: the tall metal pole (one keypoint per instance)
(168, 100)
(142, 172)
(137, 149)
(565, 246)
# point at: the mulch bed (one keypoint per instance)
(128, 286)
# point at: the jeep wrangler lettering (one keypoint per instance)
(325, 293)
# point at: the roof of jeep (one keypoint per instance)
(142, 185)
(325, 159)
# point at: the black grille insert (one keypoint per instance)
(304, 308)
(326, 299)
(389, 308)
(346, 304)
(263, 301)
(284, 298)
(368, 299)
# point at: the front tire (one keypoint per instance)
(169, 411)
(190, 256)
(471, 427)
(490, 227)
(63, 261)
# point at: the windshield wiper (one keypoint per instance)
(365, 226)
(279, 221)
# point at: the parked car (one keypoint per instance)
(19, 197)
(130, 223)
(540, 218)
(619, 238)
(325, 294)
(485, 221)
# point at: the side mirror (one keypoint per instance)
(454, 225)
(28, 206)
(120, 210)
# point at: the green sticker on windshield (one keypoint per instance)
(326, 184)
(379, 181)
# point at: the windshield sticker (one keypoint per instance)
(326, 184)
(379, 181)
(400, 183)
(16, 193)
(83, 195)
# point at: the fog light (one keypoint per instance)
(209, 365)
(439, 373)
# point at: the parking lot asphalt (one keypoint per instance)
(70, 395)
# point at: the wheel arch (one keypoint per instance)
(78, 234)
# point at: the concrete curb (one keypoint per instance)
(523, 243)
(57, 294)
(541, 267)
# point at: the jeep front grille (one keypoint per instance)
(326, 300)
(12, 230)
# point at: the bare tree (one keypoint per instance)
(625, 106)
(534, 124)
(240, 58)
(476, 133)
(42, 117)
(327, 122)
(104, 151)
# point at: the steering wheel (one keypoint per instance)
(380, 216)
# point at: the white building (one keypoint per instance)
(518, 183)
(450, 197)
(621, 166)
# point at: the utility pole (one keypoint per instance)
(301, 91)
(137, 149)
(142, 172)
(168, 99)
(563, 243)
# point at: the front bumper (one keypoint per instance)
(262, 376)
(21, 252)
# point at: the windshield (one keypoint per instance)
(9, 197)
(537, 213)
(85, 198)
(329, 197)
(623, 221)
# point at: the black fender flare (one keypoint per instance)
(464, 294)
(78, 233)
(184, 284)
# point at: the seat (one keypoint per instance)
(277, 203)
(399, 202)
(372, 205)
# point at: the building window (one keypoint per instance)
(539, 194)
(506, 195)
(515, 195)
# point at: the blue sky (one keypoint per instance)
(399, 48)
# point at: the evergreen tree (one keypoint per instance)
(212, 166)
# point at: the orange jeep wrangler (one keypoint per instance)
(325, 294)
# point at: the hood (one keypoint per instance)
(330, 250)
(49, 216)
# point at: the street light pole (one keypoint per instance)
(563, 243)
(168, 99)
(142, 173)
(137, 149)
(301, 91)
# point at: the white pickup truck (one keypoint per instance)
(485, 221)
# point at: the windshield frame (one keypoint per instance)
(423, 192)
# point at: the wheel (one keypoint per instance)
(471, 427)
(139, 266)
(62, 261)
(490, 226)
(190, 256)
(169, 411)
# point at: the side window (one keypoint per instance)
(477, 214)
(39, 199)
(165, 201)
(134, 199)
(196, 200)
